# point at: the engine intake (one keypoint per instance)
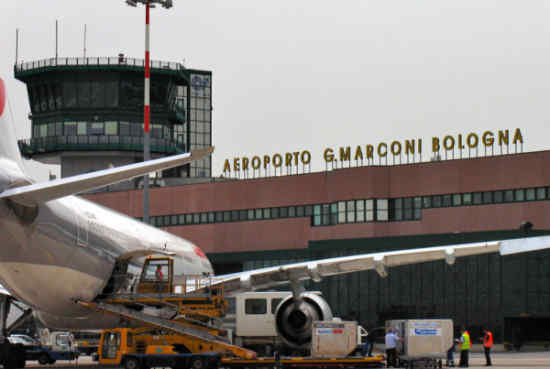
(294, 318)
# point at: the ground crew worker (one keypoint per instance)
(391, 347)
(160, 277)
(487, 344)
(465, 346)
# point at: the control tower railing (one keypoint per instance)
(37, 145)
(95, 61)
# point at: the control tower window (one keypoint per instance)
(70, 129)
(111, 128)
(69, 93)
(82, 128)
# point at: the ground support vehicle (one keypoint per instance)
(421, 361)
(304, 362)
(425, 341)
(176, 361)
(54, 346)
(87, 341)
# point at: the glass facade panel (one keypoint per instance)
(369, 210)
(477, 198)
(382, 210)
(111, 128)
(436, 201)
(341, 212)
(519, 195)
(467, 199)
(82, 128)
(498, 196)
(530, 194)
(360, 207)
(351, 211)
(457, 199)
(509, 196)
(291, 211)
(426, 202)
(487, 197)
(541, 193)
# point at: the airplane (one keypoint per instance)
(57, 248)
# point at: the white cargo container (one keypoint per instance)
(333, 339)
(423, 338)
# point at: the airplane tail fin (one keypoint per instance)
(8, 141)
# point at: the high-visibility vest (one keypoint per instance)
(488, 340)
(466, 344)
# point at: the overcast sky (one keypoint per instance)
(309, 74)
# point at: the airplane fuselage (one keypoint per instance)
(67, 252)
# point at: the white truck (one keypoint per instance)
(56, 346)
(251, 318)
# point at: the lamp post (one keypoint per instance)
(146, 106)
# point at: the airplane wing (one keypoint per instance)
(518, 245)
(317, 269)
(34, 194)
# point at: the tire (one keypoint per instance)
(196, 363)
(44, 359)
(52, 361)
(131, 363)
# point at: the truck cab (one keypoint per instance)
(55, 346)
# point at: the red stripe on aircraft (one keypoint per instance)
(2, 96)
(199, 252)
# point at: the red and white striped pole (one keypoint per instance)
(146, 116)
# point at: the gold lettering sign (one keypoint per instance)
(472, 140)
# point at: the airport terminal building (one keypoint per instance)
(246, 224)
(86, 114)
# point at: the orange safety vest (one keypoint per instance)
(488, 340)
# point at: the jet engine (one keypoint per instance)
(294, 318)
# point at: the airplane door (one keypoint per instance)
(82, 231)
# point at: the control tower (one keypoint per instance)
(87, 114)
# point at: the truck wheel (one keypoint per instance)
(52, 361)
(131, 363)
(196, 363)
(44, 359)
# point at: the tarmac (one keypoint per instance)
(501, 359)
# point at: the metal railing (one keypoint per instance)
(41, 145)
(95, 61)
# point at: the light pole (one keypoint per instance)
(146, 105)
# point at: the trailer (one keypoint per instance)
(425, 341)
